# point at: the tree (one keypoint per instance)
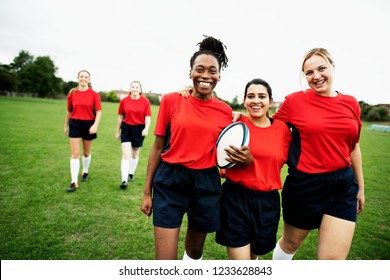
(236, 104)
(7, 79)
(383, 112)
(373, 115)
(39, 77)
(66, 86)
(21, 61)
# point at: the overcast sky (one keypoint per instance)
(152, 41)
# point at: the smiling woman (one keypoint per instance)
(324, 189)
(82, 119)
(184, 176)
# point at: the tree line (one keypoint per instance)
(34, 75)
(37, 76)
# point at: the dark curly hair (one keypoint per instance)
(213, 47)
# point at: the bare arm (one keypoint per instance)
(145, 131)
(66, 125)
(118, 127)
(94, 127)
(154, 161)
(357, 166)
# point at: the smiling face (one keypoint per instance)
(319, 74)
(135, 89)
(257, 101)
(205, 76)
(83, 79)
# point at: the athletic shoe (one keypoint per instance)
(84, 177)
(131, 177)
(73, 187)
(123, 185)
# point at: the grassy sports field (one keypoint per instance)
(40, 220)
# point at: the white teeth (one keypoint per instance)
(256, 107)
(204, 84)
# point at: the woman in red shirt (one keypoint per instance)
(182, 162)
(83, 114)
(324, 188)
(133, 125)
(250, 202)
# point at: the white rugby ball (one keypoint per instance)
(235, 134)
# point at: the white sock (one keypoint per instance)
(279, 254)
(188, 258)
(133, 165)
(74, 169)
(86, 162)
(125, 169)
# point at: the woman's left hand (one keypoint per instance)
(361, 200)
(186, 91)
(93, 129)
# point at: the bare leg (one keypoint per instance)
(166, 240)
(87, 144)
(241, 253)
(292, 238)
(75, 147)
(334, 238)
(194, 243)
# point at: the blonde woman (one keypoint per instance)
(83, 114)
(133, 124)
(324, 188)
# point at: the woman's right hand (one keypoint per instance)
(237, 116)
(147, 205)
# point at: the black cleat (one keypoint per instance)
(84, 177)
(72, 187)
(123, 185)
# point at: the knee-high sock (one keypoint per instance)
(86, 163)
(74, 169)
(125, 169)
(279, 254)
(188, 258)
(133, 165)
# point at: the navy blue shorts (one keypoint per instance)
(80, 129)
(178, 190)
(248, 217)
(307, 197)
(133, 134)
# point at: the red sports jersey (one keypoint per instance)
(325, 130)
(84, 104)
(269, 147)
(134, 111)
(191, 127)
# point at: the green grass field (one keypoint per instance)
(40, 220)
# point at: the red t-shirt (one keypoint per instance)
(191, 127)
(84, 104)
(134, 111)
(325, 130)
(269, 147)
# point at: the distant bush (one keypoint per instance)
(109, 96)
(373, 113)
(153, 99)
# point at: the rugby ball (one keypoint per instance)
(235, 134)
